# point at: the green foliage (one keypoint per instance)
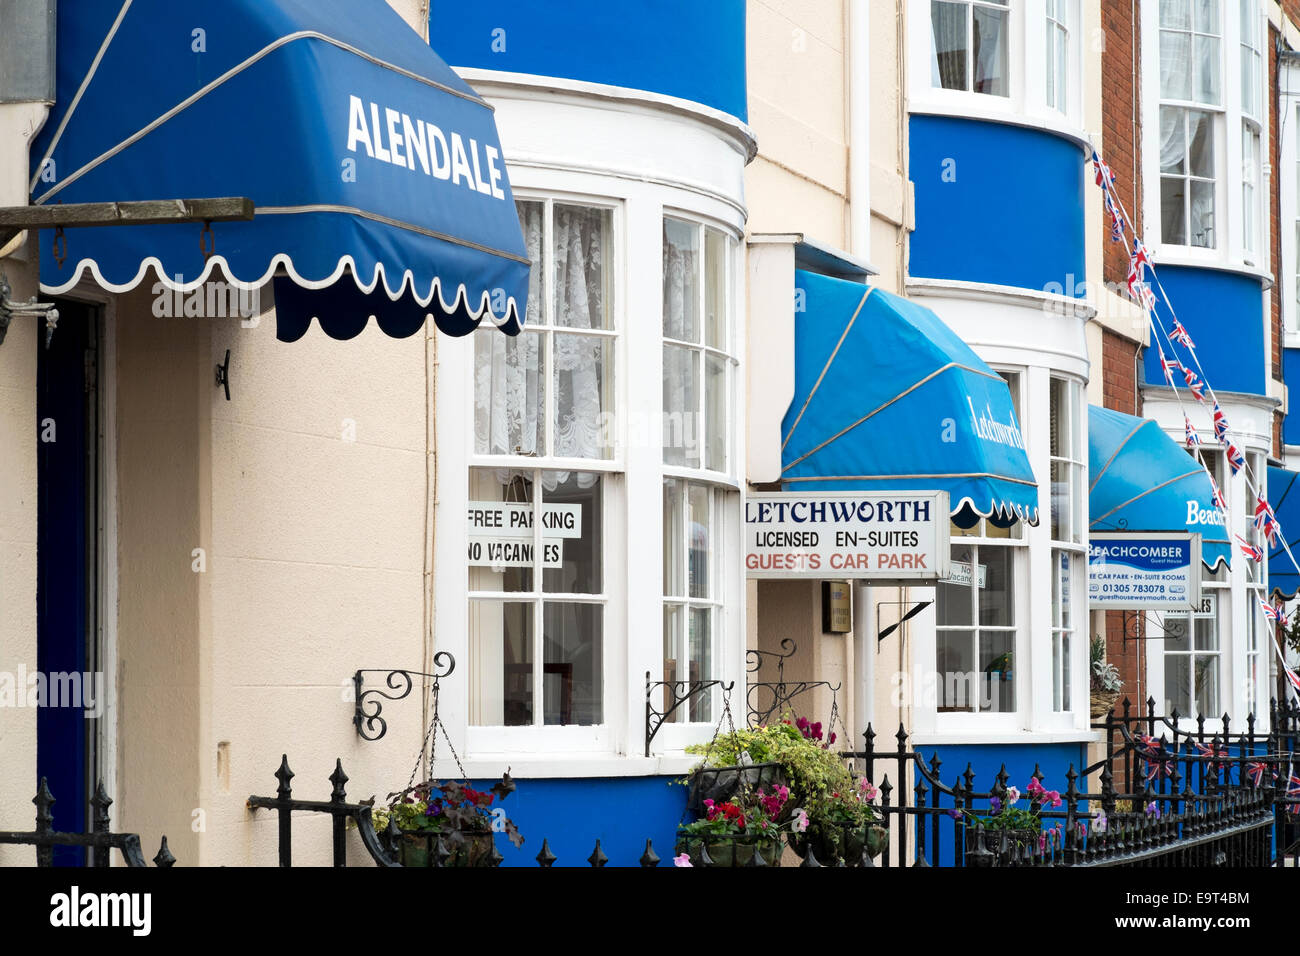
(820, 782)
(451, 808)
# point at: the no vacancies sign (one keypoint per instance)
(1137, 570)
(874, 535)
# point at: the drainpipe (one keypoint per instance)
(859, 103)
(26, 93)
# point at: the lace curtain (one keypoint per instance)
(1188, 71)
(510, 379)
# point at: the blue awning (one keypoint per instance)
(888, 398)
(1284, 497)
(1143, 480)
(366, 156)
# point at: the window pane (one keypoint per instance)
(674, 545)
(1207, 69)
(1178, 683)
(1065, 563)
(1202, 214)
(571, 532)
(959, 684)
(681, 406)
(501, 663)
(1056, 671)
(500, 530)
(1173, 210)
(584, 270)
(509, 393)
(948, 22)
(1207, 685)
(1207, 16)
(699, 529)
(572, 675)
(997, 599)
(1063, 492)
(532, 217)
(584, 390)
(1201, 133)
(1066, 700)
(1207, 634)
(1175, 66)
(716, 245)
(681, 280)
(954, 604)
(1173, 140)
(990, 51)
(715, 401)
(1176, 633)
(701, 660)
(1176, 14)
(997, 671)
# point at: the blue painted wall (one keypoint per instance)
(681, 48)
(1291, 375)
(622, 812)
(1224, 313)
(997, 203)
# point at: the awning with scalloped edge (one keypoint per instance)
(888, 398)
(371, 164)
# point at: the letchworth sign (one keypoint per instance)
(1134, 570)
(900, 536)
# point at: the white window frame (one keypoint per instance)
(1065, 641)
(1230, 249)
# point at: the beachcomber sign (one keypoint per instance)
(1136, 570)
(881, 536)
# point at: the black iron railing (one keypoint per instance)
(99, 841)
(1164, 796)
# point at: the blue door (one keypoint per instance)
(67, 435)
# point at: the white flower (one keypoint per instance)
(1012, 795)
(800, 821)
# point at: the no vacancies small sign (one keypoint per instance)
(874, 535)
(1136, 570)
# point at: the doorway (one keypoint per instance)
(68, 551)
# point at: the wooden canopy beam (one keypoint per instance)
(153, 212)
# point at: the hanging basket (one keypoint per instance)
(832, 844)
(720, 784)
(1102, 701)
(420, 849)
(728, 850)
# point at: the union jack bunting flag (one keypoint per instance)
(1105, 178)
(1219, 501)
(1116, 220)
(1134, 279)
(1292, 678)
(1220, 423)
(1262, 513)
(1140, 254)
(1179, 334)
(1255, 772)
(1251, 551)
(1273, 613)
(1293, 788)
(1236, 460)
(1194, 384)
(1170, 366)
(1193, 439)
(1146, 297)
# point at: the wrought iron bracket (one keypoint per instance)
(9, 308)
(782, 692)
(397, 685)
(655, 719)
(223, 375)
(916, 608)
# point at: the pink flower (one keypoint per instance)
(682, 859)
(800, 822)
(1053, 797)
(867, 789)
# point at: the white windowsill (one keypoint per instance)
(562, 765)
(975, 738)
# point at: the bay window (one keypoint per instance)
(1057, 52)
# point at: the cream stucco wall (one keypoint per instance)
(801, 103)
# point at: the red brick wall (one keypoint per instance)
(1121, 147)
(1121, 123)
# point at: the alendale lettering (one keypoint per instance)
(990, 429)
(838, 511)
(397, 139)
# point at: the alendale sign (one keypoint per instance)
(879, 536)
(393, 137)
